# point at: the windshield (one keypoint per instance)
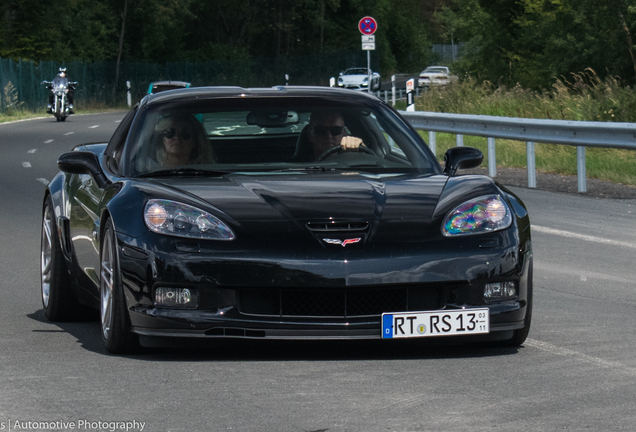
(436, 70)
(274, 135)
(356, 71)
(59, 81)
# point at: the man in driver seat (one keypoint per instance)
(326, 130)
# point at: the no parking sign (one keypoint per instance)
(367, 25)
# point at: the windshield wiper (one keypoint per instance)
(308, 168)
(184, 172)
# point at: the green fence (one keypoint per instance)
(21, 81)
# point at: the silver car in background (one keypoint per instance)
(358, 78)
(435, 76)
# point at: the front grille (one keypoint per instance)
(337, 226)
(337, 303)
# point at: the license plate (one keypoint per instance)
(435, 323)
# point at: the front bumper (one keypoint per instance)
(275, 297)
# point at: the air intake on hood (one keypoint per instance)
(337, 226)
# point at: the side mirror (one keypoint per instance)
(83, 162)
(457, 158)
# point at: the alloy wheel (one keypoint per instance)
(106, 287)
(45, 256)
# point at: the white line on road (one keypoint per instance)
(581, 274)
(32, 151)
(43, 180)
(48, 141)
(69, 133)
(570, 234)
(93, 127)
(579, 356)
(26, 164)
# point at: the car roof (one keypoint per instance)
(269, 92)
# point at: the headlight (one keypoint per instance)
(477, 216)
(340, 80)
(182, 220)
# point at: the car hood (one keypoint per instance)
(325, 196)
(353, 78)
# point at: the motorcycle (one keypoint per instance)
(60, 87)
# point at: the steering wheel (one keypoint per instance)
(339, 149)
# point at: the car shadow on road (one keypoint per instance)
(88, 336)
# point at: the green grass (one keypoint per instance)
(583, 97)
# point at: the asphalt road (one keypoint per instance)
(577, 371)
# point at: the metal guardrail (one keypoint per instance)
(575, 133)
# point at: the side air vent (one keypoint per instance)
(337, 226)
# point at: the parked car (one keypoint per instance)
(358, 78)
(435, 76)
(255, 237)
(159, 86)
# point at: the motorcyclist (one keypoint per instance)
(61, 79)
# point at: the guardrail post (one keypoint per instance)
(459, 140)
(492, 158)
(393, 89)
(386, 96)
(431, 142)
(532, 170)
(580, 168)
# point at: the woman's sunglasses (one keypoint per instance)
(184, 133)
(324, 130)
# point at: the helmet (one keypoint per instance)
(61, 71)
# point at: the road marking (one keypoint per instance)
(570, 234)
(43, 180)
(579, 356)
(582, 275)
(69, 133)
(48, 141)
(32, 151)
(117, 121)
(26, 164)
(93, 127)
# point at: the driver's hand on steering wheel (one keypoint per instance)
(350, 143)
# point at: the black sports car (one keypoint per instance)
(217, 213)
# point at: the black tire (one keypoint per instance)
(115, 322)
(58, 299)
(58, 110)
(520, 336)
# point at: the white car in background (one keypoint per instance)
(358, 78)
(435, 76)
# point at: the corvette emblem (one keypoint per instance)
(342, 243)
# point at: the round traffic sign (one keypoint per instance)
(367, 25)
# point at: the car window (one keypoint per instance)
(274, 136)
(358, 71)
(436, 70)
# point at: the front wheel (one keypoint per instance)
(520, 336)
(58, 299)
(58, 109)
(116, 334)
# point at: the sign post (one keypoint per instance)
(367, 27)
